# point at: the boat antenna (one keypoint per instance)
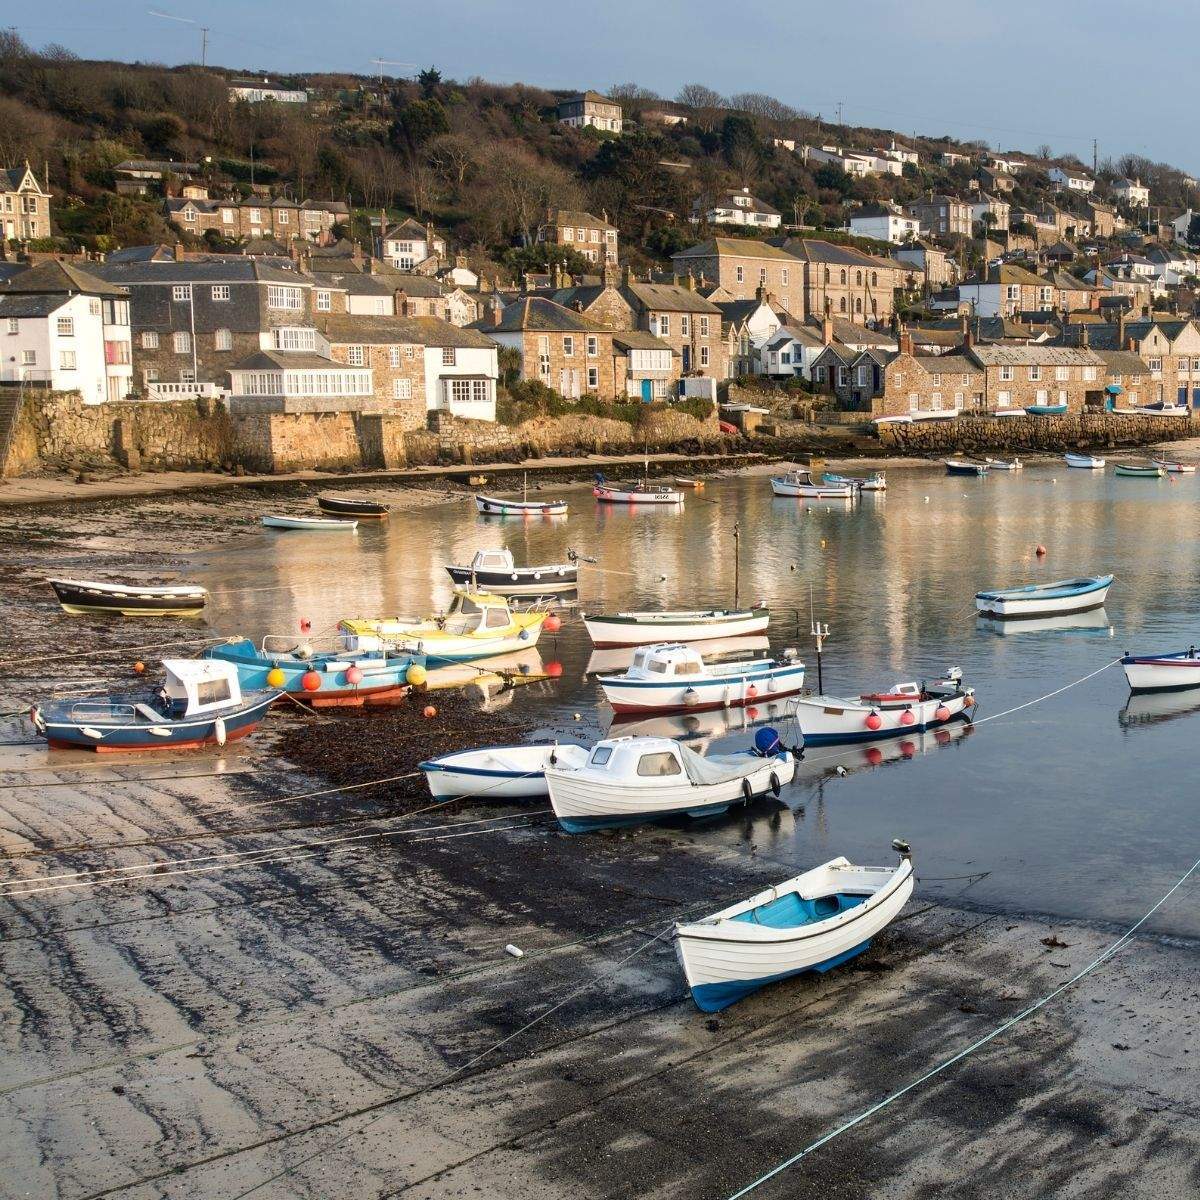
(820, 632)
(737, 564)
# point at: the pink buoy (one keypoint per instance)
(752, 713)
(553, 623)
(1040, 551)
(873, 721)
(305, 625)
(907, 717)
(354, 676)
(942, 713)
(751, 692)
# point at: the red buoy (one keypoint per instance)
(751, 692)
(554, 669)
(139, 668)
(907, 717)
(553, 623)
(1040, 551)
(429, 712)
(354, 676)
(752, 713)
(305, 625)
(873, 721)
(310, 681)
(942, 713)
(874, 756)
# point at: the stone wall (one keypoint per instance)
(979, 435)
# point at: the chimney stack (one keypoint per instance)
(1084, 336)
(627, 275)
(689, 282)
(827, 330)
(906, 342)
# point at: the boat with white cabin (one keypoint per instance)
(631, 779)
(813, 922)
(670, 677)
(494, 571)
(1004, 464)
(1046, 599)
(500, 772)
(862, 483)
(1175, 672)
(800, 484)
(679, 625)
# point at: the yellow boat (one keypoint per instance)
(476, 625)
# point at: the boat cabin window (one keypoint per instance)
(212, 691)
(663, 763)
(639, 659)
(601, 755)
(492, 560)
(464, 606)
(659, 668)
(494, 618)
(687, 668)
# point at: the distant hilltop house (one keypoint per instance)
(944, 215)
(1006, 166)
(1132, 192)
(738, 208)
(1071, 181)
(254, 91)
(410, 246)
(950, 158)
(24, 206)
(590, 236)
(282, 219)
(141, 176)
(885, 223)
(852, 162)
(590, 108)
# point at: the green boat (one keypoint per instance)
(1141, 470)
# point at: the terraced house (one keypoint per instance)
(24, 206)
(280, 219)
(1169, 348)
(590, 236)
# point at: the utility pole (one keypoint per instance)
(839, 108)
(1095, 156)
(204, 45)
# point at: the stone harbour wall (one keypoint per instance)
(1071, 431)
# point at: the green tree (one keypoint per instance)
(428, 81)
(418, 123)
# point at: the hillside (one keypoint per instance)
(482, 161)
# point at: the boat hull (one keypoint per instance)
(606, 495)
(81, 596)
(1016, 606)
(437, 649)
(726, 961)
(492, 507)
(757, 684)
(582, 804)
(523, 581)
(364, 510)
(499, 773)
(1162, 673)
(961, 468)
(1084, 462)
(612, 632)
(317, 523)
(1174, 468)
(812, 491)
(1045, 410)
(1139, 472)
(830, 720)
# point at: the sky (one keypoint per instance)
(1014, 73)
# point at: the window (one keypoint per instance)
(181, 342)
(819, 374)
(704, 356)
(593, 378)
(281, 216)
(181, 292)
(288, 337)
(447, 356)
(935, 401)
(663, 762)
(150, 375)
(914, 402)
(1042, 396)
(65, 326)
(355, 356)
(401, 389)
(842, 304)
(594, 234)
(762, 276)
(279, 296)
(255, 217)
(785, 276)
(228, 216)
(223, 340)
(14, 325)
(1013, 292)
(220, 292)
(843, 277)
(568, 234)
(601, 755)
(704, 327)
(685, 326)
(409, 351)
(965, 380)
(1006, 374)
(1035, 373)
(1003, 399)
(568, 346)
(189, 214)
(858, 278)
(393, 356)
(843, 376)
(664, 325)
(66, 360)
(1155, 364)
(1062, 374)
(323, 301)
(593, 346)
(741, 275)
(1089, 374)
(936, 381)
(28, 358)
(149, 340)
(581, 235)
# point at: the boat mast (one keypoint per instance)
(737, 563)
(820, 633)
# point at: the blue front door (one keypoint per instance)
(1183, 397)
(1196, 398)
(687, 359)
(647, 390)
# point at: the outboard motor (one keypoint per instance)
(766, 742)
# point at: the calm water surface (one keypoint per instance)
(1083, 806)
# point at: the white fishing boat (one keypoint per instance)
(274, 521)
(493, 506)
(875, 482)
(631, 779)
(1004, 464)
(668, 677)
(641, 493)
(1046, 599)
(1176, 672)
(1084, 462)
(500, 772)
(620, 658)
(645, 628)
(801, 484)
(905, 708)
(813, 922)
(1172, 466)
(1093, 623)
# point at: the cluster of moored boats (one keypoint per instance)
(1154, 468)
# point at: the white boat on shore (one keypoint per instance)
(1177, 672)
(1084, 462)
(620, 658)
(274, 521)
(494, 506)
(1046, 599)
(1004, 464)
(673, 677)
(814, 922)
(908, 707)
(646, 627)
(1172, 466)
(500, 772)
(631, 779)
(641, 493)
(801, 484)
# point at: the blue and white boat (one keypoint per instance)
(1177, 672)
(338, 674)
(1046, 599)
(1084, 462)
(500, 772)
(874, 482)
(963, 466)
(1045, 410)
(199, 703)
(626, 780)
(670, 677)
(814, 922)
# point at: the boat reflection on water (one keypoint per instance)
(619, 658)
(1156, 708)
(708, 725)
(824, 761)
(495, 679)
(1093, 624)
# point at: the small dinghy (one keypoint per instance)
(494, 571)
(1084, 462)
(1046, 599)
(476, 625)
(1139, 470)
(669, 678)
(905, 708)
(500, 772)
(1176, 672)
(963, 466)
(801, 484)
(272, 521)
(1172, 467)
(645, 628)
(332, 672)
(1045, 410)
(200, 703)
(353, 506)
(493, 506)
(813, 922)
(631, 779)
(1004, 464)
(861, 483)
(129, 599)
(683, 482)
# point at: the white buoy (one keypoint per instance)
(926, 499)
(514, 951)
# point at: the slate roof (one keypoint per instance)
(409, 228)
(539, 314)
(276, 360)
(1042, 355)
(794, 333)
(638, 339)
(815, 250)
(1123, 362)
(735, 312)
(667, 297)
(230, 268)
(567, 216)
(854, 334)
(157, 253)
(15, 176)
(735, 248)
(733, 201)
(417, 286)
(354, 283)
(344, 329)
(29, 305)
(61, 277)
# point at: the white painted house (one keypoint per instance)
(1071, 181)
(738, 208)
(408, 244)
(885, 225)
(64, 329)
(462, 368)
(254, 91)
(1132, 192)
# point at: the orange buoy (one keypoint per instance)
(553, 623)
(305, 625)
(429, 712)
(139, 668)
(752, 713)
(310, 681)
(942, 713)
(554, 669)
(1040, 551)
(907, 717)
(873, 721)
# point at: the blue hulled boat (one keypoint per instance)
(1045, 410)
(963, 466)
(199, 703)
(340, 675)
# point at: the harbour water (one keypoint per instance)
(1082, 806)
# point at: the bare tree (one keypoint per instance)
(521, 187)
(758, 104)
(699, 95)
(630, 92)
(455, 155)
